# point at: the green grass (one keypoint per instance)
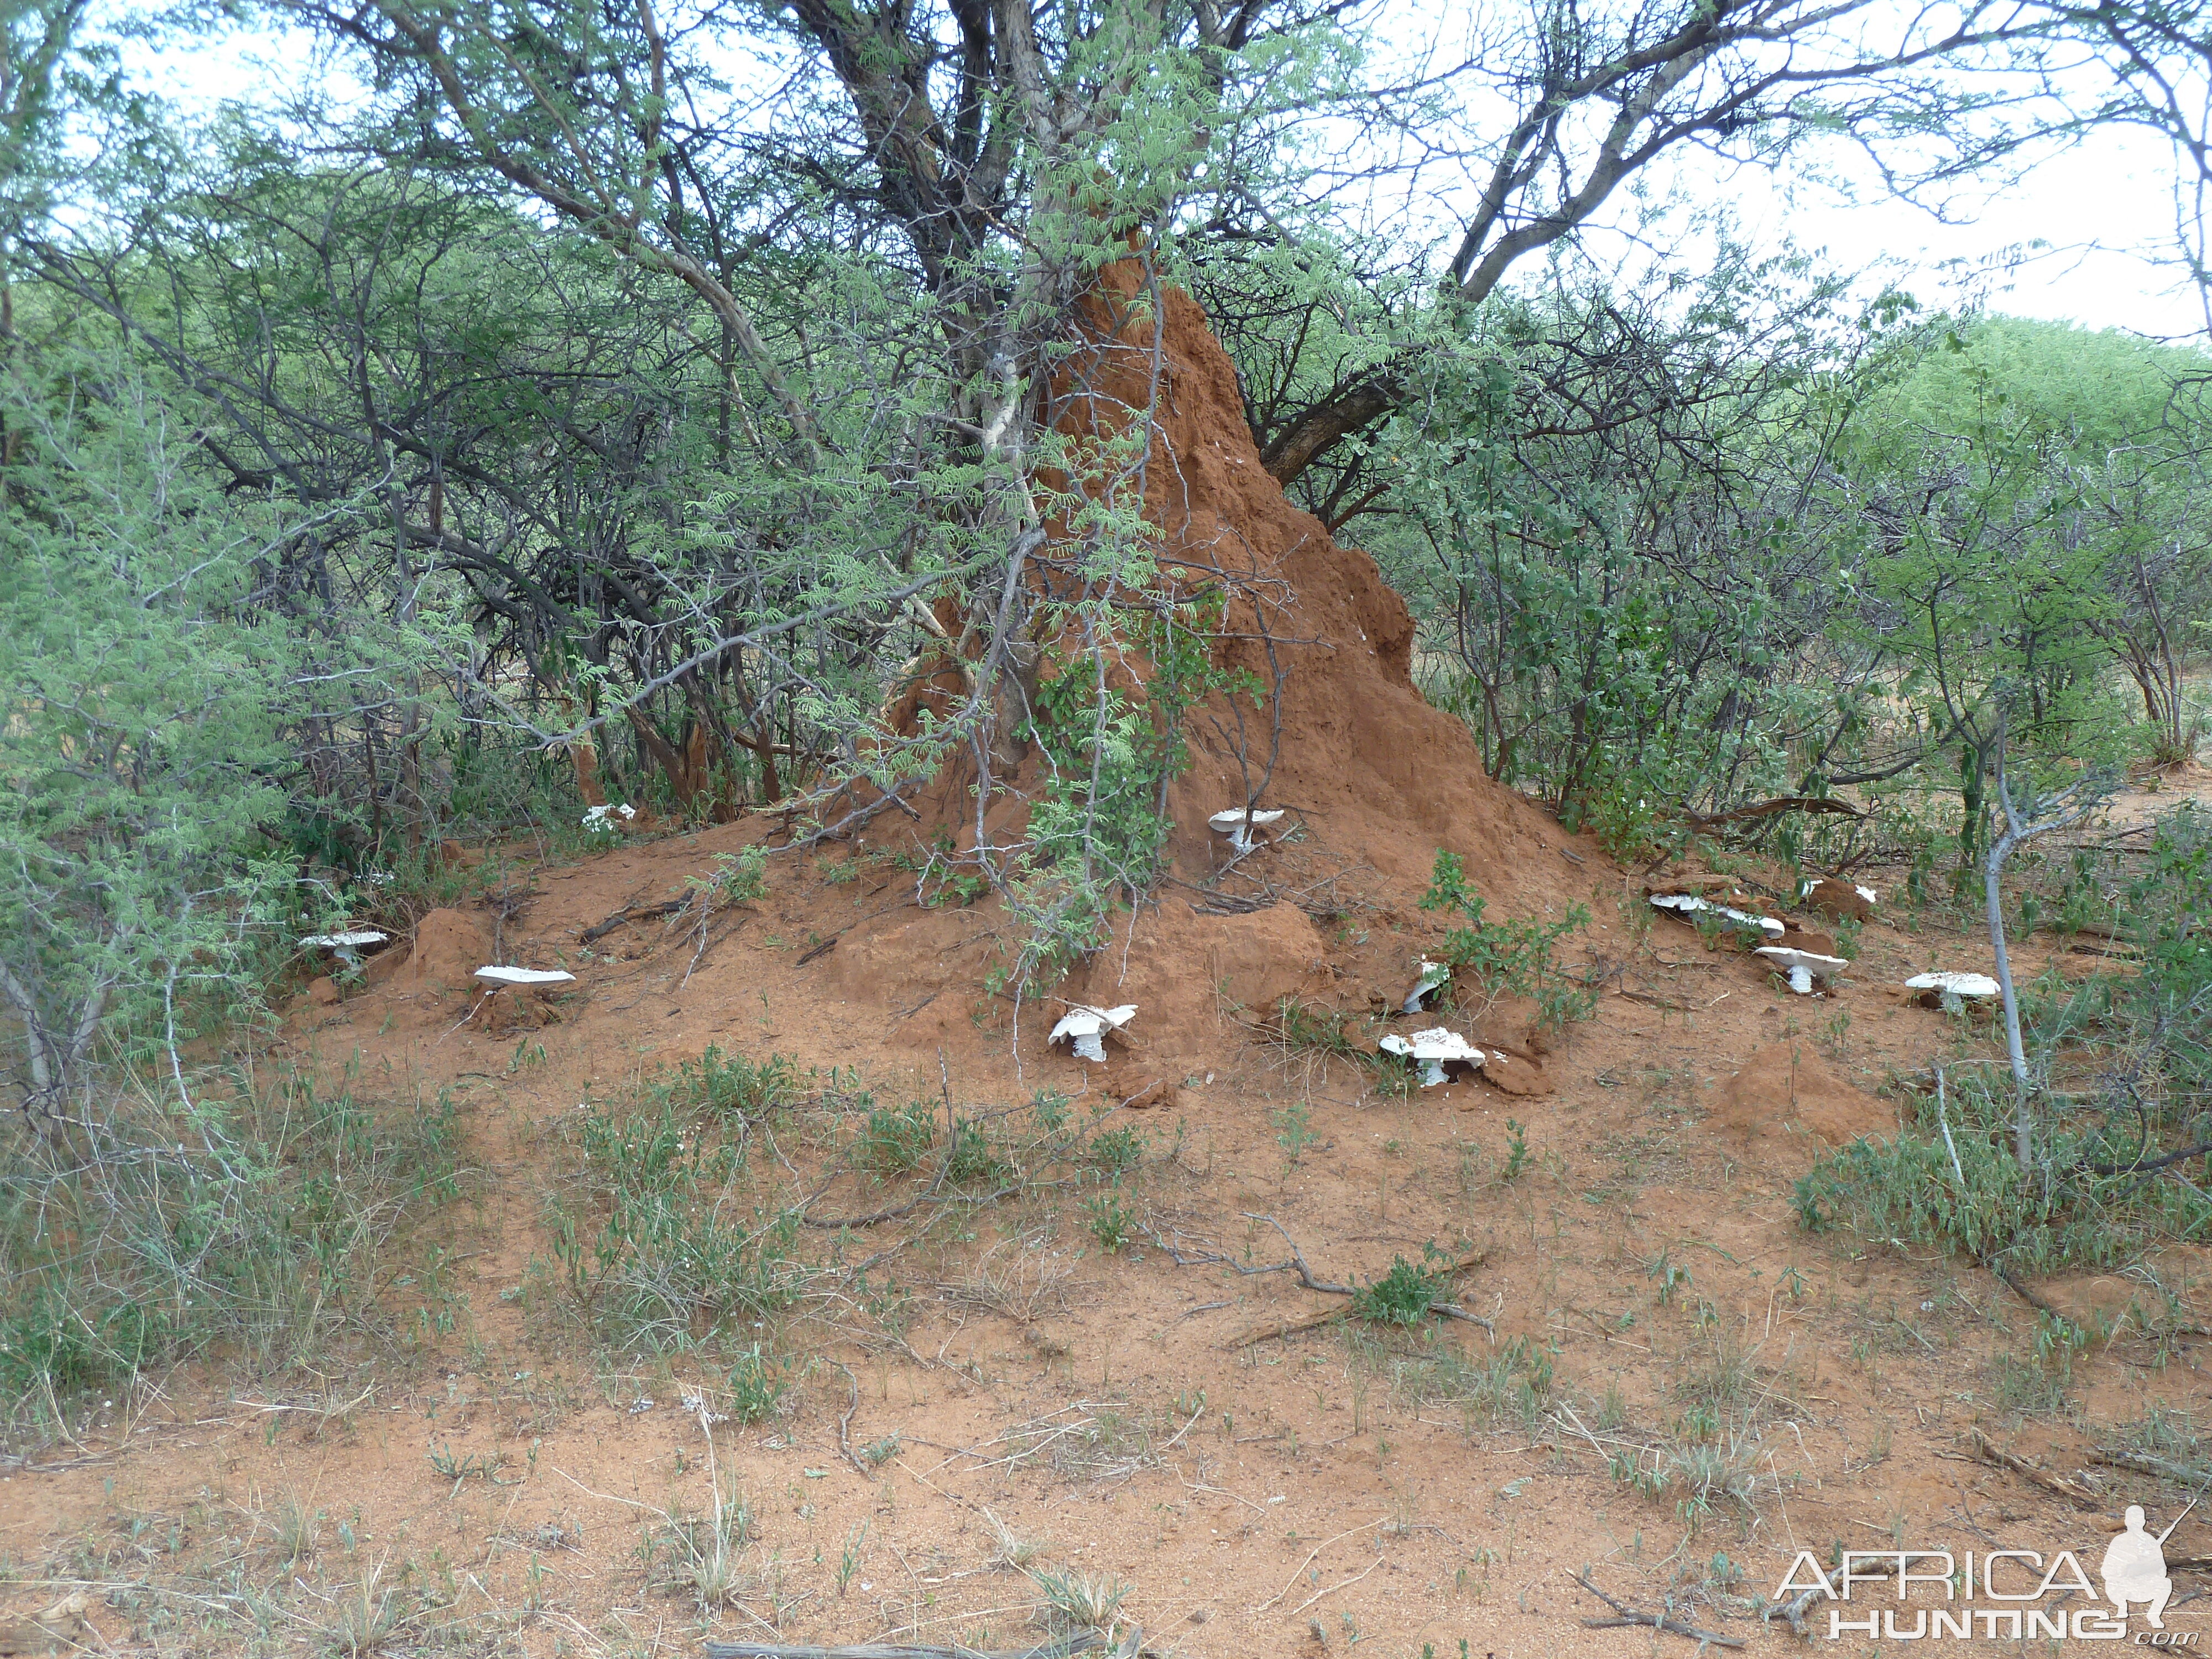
(257, 1227)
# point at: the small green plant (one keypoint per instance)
(1074, 1602)
(1508, 958)
(1116, 1153)
(849, 1563)
(972, 1156)
(1111, 1224)
(1670, 1278)
(758, 1383)
(1293, 1132)
(738, 878)
(1517, 1150)
(877, 1453)
(729, 1086)
(895, 1142)
(1403, 1295)
(702, 1554)
(481, 1465)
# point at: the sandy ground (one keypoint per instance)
(1294, 1493)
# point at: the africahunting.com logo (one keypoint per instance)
(2013, 1595)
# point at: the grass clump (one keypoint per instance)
(895, 1141)
(254, 1225)
(656, 1253)
(1402, 1296)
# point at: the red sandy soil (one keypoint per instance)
(1275, 1497)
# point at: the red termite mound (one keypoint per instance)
(1378, 779)
(1379, 775)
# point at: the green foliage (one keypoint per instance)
(1116, 1151)
(140, 757)
(1294, 1131)
(738, 878)
(265, 1223)
(1403, 1295)
(893, 1142)
(1508, 958)
(758, 1384)
(1108, 726)
(1108, 1222)
(1517, 1150)
(2063, 1213)
(659, 1258)
(729, 1087)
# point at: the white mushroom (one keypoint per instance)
(523, 978)
(1435, 1050)
(1866, 893)
(1085, 1027)
(1434, 976)
(1953, 992)
(603, 818)
(1239, 823)
(1687, 905)
(346, 943)
(1803, 968)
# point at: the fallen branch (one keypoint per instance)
(1627, 1617)
(2074, 1491)
(2182, 1474)
(845, 1423)
(1298, 1265)
(1088, 1642)
(1767, 809)
(640, 913)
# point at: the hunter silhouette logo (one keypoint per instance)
(2135, 1567)
(2001, 1594)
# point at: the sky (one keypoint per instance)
(2076, 240)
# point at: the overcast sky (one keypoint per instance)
(2104, 208)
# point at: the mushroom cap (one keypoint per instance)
(1433, 976)
(1958, 984)
(1685, 904)
(1232, 820)
(1082, 1020)
(1784, 956)
(351, 939)
(1440, 1042)
(524, 976)
(1866, 893)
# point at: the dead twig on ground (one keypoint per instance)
(2072, 1491)
(637, 912)
(2182, 1474)
(1626, 1617)
(845, 1423)
(1298, 1265)
(1087, 1642)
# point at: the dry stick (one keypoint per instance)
(2071, 1490)
(642, 913)
(1628, 1617)
(1368, 1526)
(1333, 1588)
(845, 1423)
(1084, 1642)
(1306, 1322)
